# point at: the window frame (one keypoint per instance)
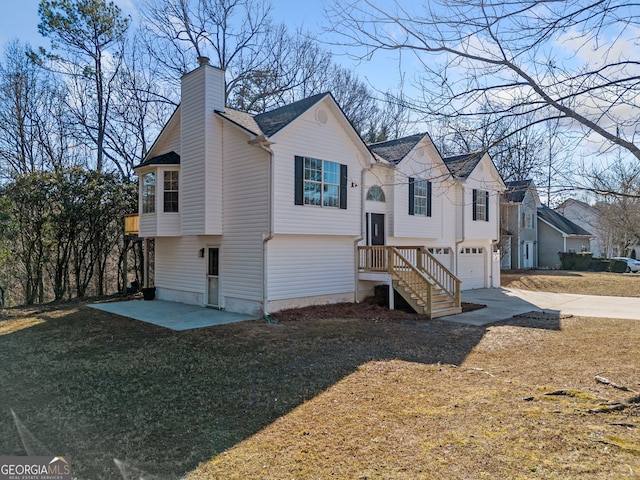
(481, 205)
(375, 193)
(427, 187)
(329, 182)
(171, 196)
(148, 193)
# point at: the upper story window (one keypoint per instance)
(481, 205)
(149, 193)
(419, 197)
(527, 220)
(320, 182)
(376, 194)
(171, 191)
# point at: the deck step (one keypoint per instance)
(445, 311)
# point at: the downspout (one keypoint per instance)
(463, 238)
(363, 216)
(264, 144)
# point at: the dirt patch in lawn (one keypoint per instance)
(562, 281)
(364, 393)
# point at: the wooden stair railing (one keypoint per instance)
(441, 275)
(427, 285)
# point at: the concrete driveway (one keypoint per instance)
(503, 303)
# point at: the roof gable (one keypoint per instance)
(273, 121)
(561, 223)
(394, 151)
(517, 190)
(461, 166)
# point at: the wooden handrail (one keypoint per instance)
(415, 281)
(440, 274)
(382, 258)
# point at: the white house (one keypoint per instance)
(257, 213)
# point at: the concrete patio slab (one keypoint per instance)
(504, 303)
(172, 315)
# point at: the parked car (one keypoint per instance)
(632, 265)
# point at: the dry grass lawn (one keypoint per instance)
(363, 394)
(563, 281)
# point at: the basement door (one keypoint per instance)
(213, 279)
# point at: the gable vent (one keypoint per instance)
(321, 116)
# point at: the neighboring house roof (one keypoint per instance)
(171, 158)
(516, 190)
(461, 166)
(393, 151)
(563, 224)
(584, 205)
(275, 120)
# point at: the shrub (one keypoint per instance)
(575, 261)
(618, 266)
(599, 265)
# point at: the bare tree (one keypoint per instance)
(231, 32)
(90, 34)
(560, 59)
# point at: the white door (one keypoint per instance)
(527, 255)
(213, 270)
(471, 267)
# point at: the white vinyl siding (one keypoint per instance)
(246, 218)
(305, 137)
(308, 266)
(200, 157)
(178, 264)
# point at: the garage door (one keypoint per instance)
(442, 254)
(471, 269)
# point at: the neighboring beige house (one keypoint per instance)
(257, 213)
(558, 234)
(519, 210)
(581, 213)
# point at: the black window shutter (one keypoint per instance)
(411, 196)
(299, 181)
(486, 206)
(343, 187)
(428, 199)
(475, 204)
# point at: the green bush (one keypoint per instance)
(618, 266)
(575, 261)
(599, 265)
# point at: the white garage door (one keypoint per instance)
(442, 254)
(471, 269)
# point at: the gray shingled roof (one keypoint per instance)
(171, 158)
(393, 151)
(562, 223)
(516, 190)
(275, 120)
(461, 166)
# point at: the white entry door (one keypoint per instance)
(213, 270)
(527, 255)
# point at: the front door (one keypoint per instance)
(376, 229)
(528, 255)
(213, 269)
